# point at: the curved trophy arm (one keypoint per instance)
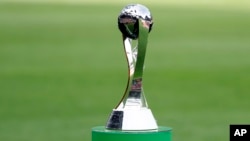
(135, 55)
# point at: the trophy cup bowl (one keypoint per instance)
(128, 20)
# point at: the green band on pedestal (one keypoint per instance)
(100, 133)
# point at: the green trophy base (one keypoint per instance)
(100, 133)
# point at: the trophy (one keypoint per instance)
(131, 119)
(132, 113)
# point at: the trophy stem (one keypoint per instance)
(134, 95)
(132, 113)
(142, 46)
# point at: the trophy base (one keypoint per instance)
(132, 119)
(100, 133)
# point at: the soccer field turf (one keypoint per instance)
(63, 69)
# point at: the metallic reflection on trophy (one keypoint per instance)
(132, 113)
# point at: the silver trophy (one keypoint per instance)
(132, 112)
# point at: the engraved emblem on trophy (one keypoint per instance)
(132, 113)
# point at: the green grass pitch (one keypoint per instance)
(63, 69)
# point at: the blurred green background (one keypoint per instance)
(63, 69)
